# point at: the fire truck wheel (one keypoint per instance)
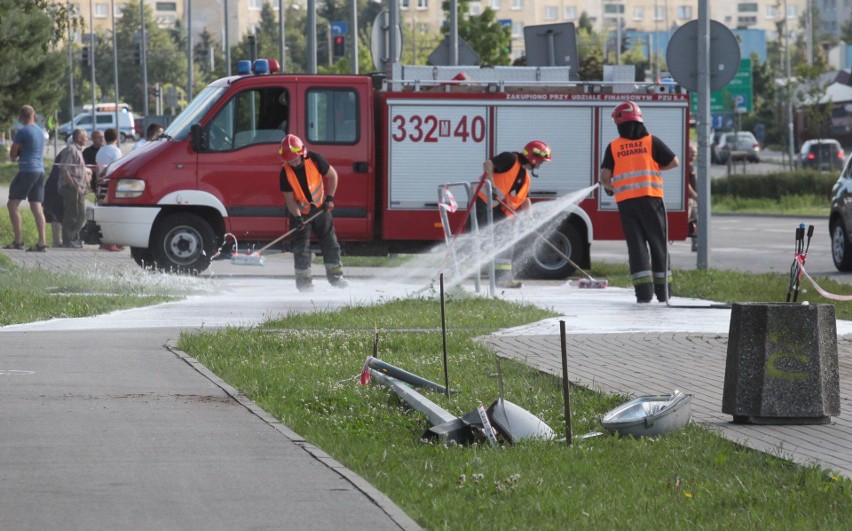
(543, 261)
(183, 243)
(142, 256)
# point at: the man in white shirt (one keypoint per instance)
(108, 153)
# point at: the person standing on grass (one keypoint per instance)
(28, 150)
(73, 183)
(632, 171)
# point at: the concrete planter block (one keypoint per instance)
(782, 364)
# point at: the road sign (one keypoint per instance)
(339, 28)
(682, 51)
(736, 97)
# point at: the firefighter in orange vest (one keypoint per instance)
(301, 181)
(631, 170)
(509, 173)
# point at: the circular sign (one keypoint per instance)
(379, 41)
(682, 54)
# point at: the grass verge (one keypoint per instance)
(35, 294)
(303, 369)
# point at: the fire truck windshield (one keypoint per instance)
(179, 128)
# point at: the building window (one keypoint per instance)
(255, 5)
(771, 12)
(475, 10)
(519, 4)
(743, 22)
(659, 13)
(550, 12)
(517, 28)
(495, 5)
(571, 13)
(613, 9)
(101, 10)
(638, 12)
(403, 4)
(422, 4)
(792, 12)
(684, 12)
(119, 10)
(166, 6)
(747, 8)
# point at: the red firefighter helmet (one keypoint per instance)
(291, 148)
(536, 152)
(627, 112)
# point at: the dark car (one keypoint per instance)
(738, 146)
(821, 154)
(840, 219)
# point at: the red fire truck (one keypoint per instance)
(393, 143)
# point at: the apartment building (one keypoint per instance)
(243, 15)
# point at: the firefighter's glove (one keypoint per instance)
(609, 191)
(300, 224)
(329, 203)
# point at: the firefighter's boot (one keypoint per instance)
(504, 277)
(334, 274)
(304, 282)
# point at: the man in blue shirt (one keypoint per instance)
(28, 149)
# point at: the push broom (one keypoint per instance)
(585, 283)
(255, 257)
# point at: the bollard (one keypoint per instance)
(782, 364)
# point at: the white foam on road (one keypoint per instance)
(251, 301)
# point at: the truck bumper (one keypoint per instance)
(122, 225)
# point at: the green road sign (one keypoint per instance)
(736, 96)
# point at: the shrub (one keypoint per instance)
(775, 185)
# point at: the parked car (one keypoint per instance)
(822, 154)
(740, 145)
(714, 144)
(105, 120)
(840, 219)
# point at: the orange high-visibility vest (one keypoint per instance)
(314, 184)
(636, 173)
(503, 185)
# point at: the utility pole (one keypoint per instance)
(115, 63)
(92, 41)
(144, 55)
(281, 36)
(189, 51)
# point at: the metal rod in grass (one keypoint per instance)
(566, 396)
(444, 338)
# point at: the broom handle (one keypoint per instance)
(548, 242)
(289, 232)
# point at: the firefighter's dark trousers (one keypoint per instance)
(323, 227)
(644, 222)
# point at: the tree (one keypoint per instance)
(30, 31)
(482, 33)
(846, 32)
(167, 64)
(205, 48)
(589, 50)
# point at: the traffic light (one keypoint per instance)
(85, 57)
(625, 43)
(339, 46)
(137, 55)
